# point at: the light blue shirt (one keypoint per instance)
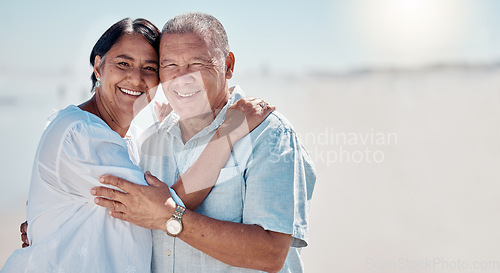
(267, 181)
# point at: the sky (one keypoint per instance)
(291, 36)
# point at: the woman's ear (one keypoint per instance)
(229, 65)
(97, 65)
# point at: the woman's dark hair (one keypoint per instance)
(126, 26)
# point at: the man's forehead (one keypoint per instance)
(172, 39)
(189, 43)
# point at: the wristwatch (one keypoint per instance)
(174, 224)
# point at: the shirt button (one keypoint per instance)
(168, 252)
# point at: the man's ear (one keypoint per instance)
(97, 64)
(229, 65)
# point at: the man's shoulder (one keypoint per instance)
(274, 125)
(273, 130)
(158, 131)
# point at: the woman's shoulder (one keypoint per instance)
(73, 119)
(72, 114)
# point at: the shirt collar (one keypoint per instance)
(171, 122)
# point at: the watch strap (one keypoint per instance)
(179, 211)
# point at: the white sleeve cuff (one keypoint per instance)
(176, 197)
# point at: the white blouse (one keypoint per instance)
(67, 231)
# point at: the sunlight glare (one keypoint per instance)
(410, 26)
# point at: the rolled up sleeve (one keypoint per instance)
(279, 182)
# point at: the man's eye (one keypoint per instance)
(123, 64)
(150, 68)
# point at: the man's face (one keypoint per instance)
(192, 76)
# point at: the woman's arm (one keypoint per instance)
(242, 117)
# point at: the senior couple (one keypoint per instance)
(227, 185)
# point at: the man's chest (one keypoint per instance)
(226, 199)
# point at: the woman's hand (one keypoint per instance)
(244, 116)
(24, 234)
(162, 110)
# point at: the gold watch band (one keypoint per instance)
(179, 211)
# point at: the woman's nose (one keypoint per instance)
(135, 77)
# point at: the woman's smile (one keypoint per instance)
(131, 92)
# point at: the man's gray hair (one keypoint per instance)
(205, 25)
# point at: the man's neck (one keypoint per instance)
(191, 126)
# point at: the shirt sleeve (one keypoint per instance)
(279, 183)
(90, 150)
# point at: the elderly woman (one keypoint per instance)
(67, 231)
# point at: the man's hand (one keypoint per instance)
(146, 206)
(24, 234)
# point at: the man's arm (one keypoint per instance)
(236, 244)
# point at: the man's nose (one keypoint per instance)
(184, 78)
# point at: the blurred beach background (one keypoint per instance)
(397, 102)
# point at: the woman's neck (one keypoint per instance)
(96, 107)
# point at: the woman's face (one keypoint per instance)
(129, 76)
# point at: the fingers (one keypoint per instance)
(110, 204)
(250, 113)
(118, 215)
(24, 227)
(152, 180)
(24, 239)
(264, 105)
(24, 236)
(168, 108)
(118, 182)
(108, 193)
(268, 109)
(162, 110)
(251, 102)
(242, 102)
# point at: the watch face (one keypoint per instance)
(174, 227)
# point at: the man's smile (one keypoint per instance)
(187, 95)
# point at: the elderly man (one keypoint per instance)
(255, 217)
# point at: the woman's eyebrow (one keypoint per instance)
(124, 56)
(152, 62)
